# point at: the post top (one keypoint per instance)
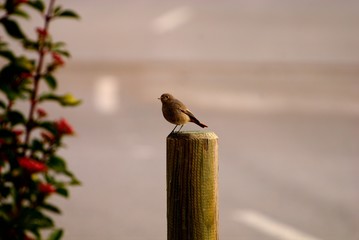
(193, 135)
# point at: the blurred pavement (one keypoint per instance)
(288, 146)
(277, 81)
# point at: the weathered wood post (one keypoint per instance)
(192, 186)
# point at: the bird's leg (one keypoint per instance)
(173, 129)
(180, 129)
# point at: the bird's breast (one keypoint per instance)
(175, 115)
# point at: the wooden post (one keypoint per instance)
(192, 186)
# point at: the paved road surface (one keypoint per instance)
(288, 148)
(288, 128)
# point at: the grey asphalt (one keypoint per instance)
(277, 81)
(288, 149)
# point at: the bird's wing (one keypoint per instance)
(188, 112)
(193, 118)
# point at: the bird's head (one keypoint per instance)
(165, 97)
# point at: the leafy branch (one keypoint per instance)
(30, 168)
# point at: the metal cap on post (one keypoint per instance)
(192, 186)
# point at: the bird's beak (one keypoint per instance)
(159, 98)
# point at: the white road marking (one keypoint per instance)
(172, 19)
(106, 94)
(270, 226)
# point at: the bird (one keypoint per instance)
(175, 112)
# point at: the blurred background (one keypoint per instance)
(276, 80)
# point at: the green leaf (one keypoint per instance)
(51, 81)
(10, 94)
(11, 73)
(49, 96)
(57, 9)
(10, 6)
(58, 45)
(5, 211)
(69, 100)
(56, 234)
(12, 28)
(25, 63)
(51, 208)
(58, 48)
(36, 233)
(49, 126)
(63, 53)
(15, 117)
(2, 104)
(6, 134)
(57, 164)
(30, 45)
(4, 191)
(74, 181)
(68, 13)
(21, 13)
(64, 100)
(37, 4)
(37, 145)
(7, 54)
(34, 219)
(63, 192)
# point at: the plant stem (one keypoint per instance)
(37, 76)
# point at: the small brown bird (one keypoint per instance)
(176, 112)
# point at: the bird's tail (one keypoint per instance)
(196, 121)
(201, 125)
